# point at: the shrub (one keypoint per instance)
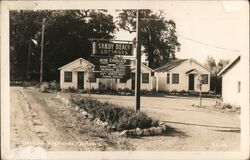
(44, 87)
(53, 85)
(122, 118)
(71, 90)
(174, 91)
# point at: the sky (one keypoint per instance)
(207, 28)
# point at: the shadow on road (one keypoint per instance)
(230, 130)
(203, 125)
(173, 132)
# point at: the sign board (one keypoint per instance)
(113, 68)
(105, 48)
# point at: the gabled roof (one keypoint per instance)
(230, 65)
(76, 61)
(142, 64)
(176, 63)
(170, 65)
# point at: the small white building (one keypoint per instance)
(147, 79)
(182, 75)
(76, 75)
(231, 83)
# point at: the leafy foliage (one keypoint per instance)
(216, 82)
(158, 34)
(121, 117)
(66, 38)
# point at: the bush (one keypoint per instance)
(120, 117)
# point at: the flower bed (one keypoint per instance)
(120, 118)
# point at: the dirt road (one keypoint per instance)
(41, 119)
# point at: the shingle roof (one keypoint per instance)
(170, 65)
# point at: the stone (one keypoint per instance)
(113, 128)
(158, 130)
(76, 107)
(84, 113)
(90, 117)
(161, 123)
(138, 131)
(146, 132)
(164, 128)
(152, 131)
(124, 133)
(105, 124)
(132, 133)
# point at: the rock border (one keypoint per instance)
(138, 132)
(152, 131)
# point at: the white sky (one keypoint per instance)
(216, 23)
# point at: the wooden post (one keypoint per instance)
(138, 63)
(41, 59)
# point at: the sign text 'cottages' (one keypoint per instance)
(111, 49)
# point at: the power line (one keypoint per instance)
(206, 44)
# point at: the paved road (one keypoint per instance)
(195, 128)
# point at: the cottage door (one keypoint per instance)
(191, 82)
(80, 80)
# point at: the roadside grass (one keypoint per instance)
(122, 118)
(100, 135)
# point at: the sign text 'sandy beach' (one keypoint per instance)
(110, 49)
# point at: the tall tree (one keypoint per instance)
(158, 34)
(216, 82)
(66, 38)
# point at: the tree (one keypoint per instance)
(216, 82)
(158, 34)
(66, 38)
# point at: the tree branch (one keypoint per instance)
(128, 29)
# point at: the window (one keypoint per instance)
(145, 77)
(204, 78)
(168, 78)
(175, 78)
(67, 76)
(92, 78)
(123, 80)
(238, 86)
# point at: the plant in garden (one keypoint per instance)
(120, 117)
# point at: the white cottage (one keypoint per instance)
(182, 75)
(147, 79)
(231, 83)
(77, 74)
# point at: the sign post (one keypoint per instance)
(138, 64)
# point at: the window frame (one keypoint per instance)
(143, 80)
(122, 80)
(68, 78)
(239, 86)
(174, 80)
(202, 77)
(168, 78)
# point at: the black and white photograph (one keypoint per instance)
(125, 79)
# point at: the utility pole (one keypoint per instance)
(41, 63)
(28, 63)
(138, 63)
